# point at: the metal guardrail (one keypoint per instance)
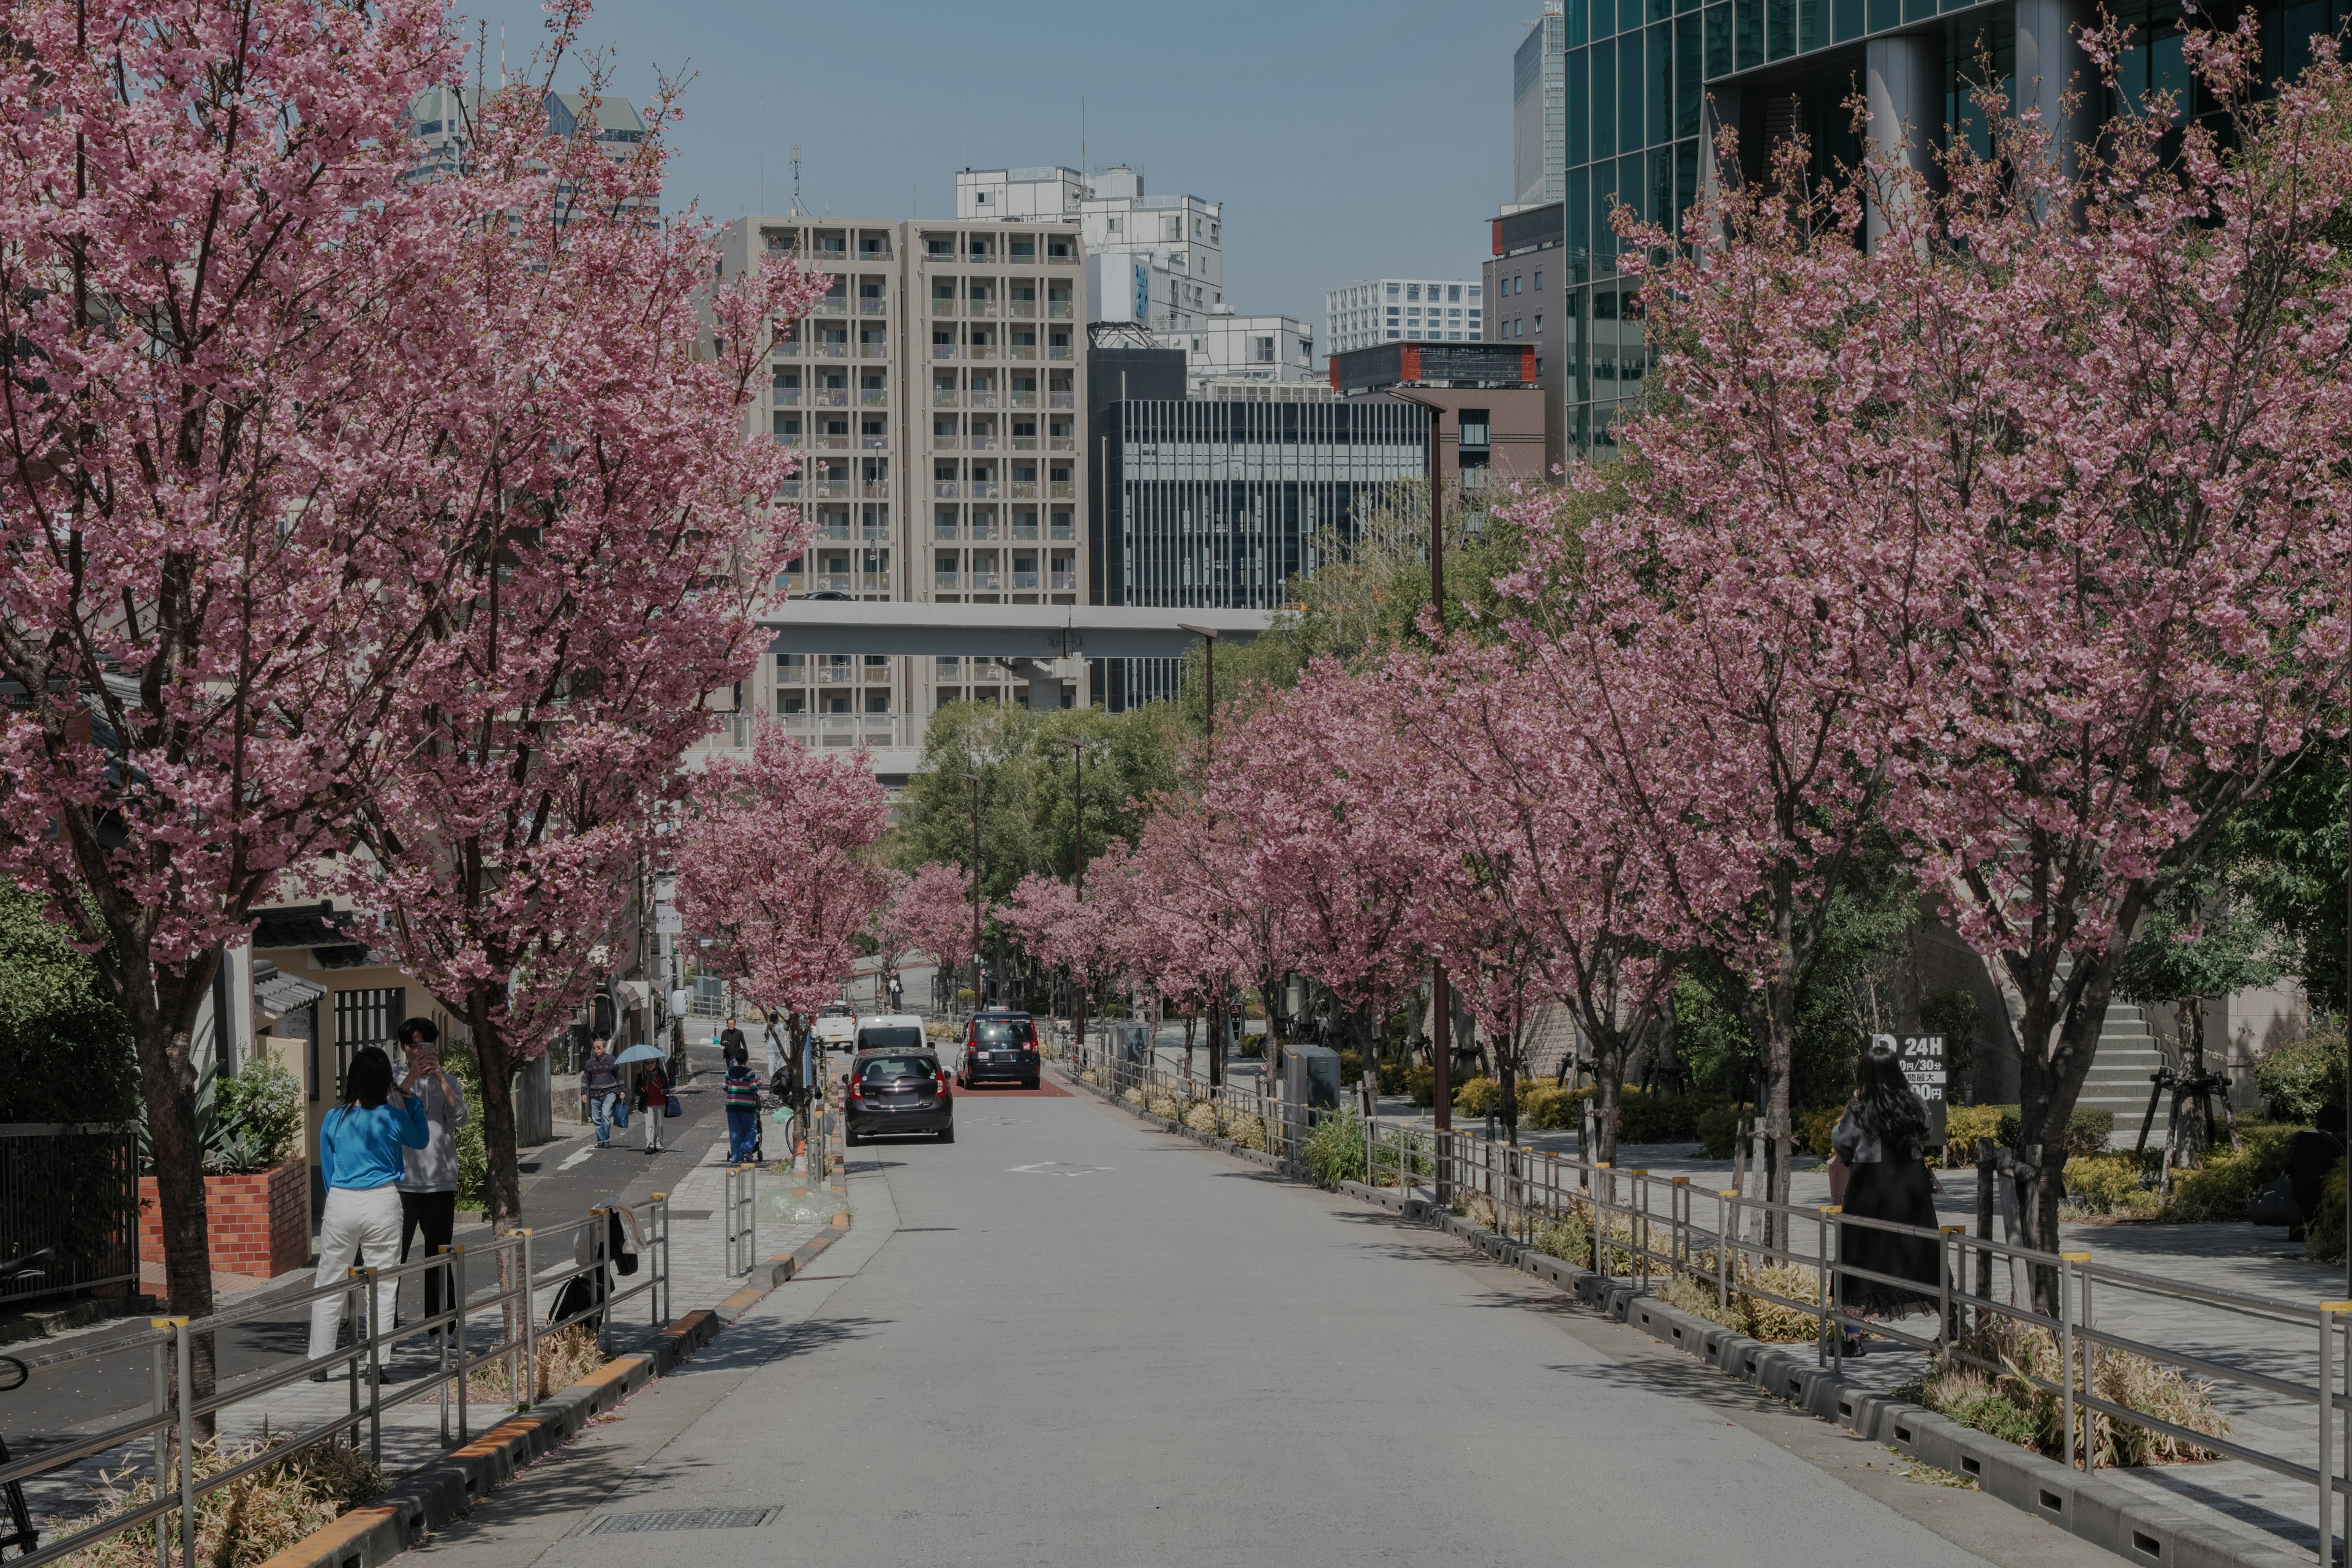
(742, 1205)
(73, 1188)
(518, 1279)
(1642, 1226)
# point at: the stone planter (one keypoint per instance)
(257, 1225)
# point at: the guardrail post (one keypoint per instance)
(160, 1363)
(184, 1347)
(1727, 1215)
(2333, 1321)
(522, 1390)
(457, 1291)
(599, 1253)
(1599, 1216)
(1836, 1352)
(2088, 1318)
(752, 1228)
(660, 1260)
(2066, 1261)
(375, 1375)
(1954, 1251)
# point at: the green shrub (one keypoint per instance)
(2110, 1185)
(2298, 1080)
(1655, 1118)
(260, 1119)
(1420, 1082)
(2088, 1132)
(1335, 1149)
(1569, 1238)
(1253, 1047)
(1964, 1124)
(1351, 1068)
(1477, 1096)
(2012, 1404)
(1393, 1078)
(2224, 1184)
(2324, 1237)
(1813, 1127)
(1550, 1107)
(1718, 1127)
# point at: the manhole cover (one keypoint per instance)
(684, 1519)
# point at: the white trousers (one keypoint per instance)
(361, 1227)
(653, 1115)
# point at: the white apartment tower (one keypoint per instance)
(936, 392)
(1157, 261)
(1390, 309)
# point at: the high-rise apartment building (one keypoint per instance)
(1540, 107)
(1393, 309)
(437, 118)
(937, 392)
(1157, 261)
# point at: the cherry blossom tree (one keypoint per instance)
(934, 911)
(2044, 496)
(604, 578)
(223, 546)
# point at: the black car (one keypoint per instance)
(1001, 1046)
(890, 1092)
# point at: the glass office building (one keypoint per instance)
(1649, 81)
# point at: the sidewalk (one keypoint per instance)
(414, 1433)
(2230, 1257)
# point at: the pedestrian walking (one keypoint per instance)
(359, 1146)
(653, 1102)
(1880, 1137)
(429, 1189)
(730, 1040)
(742, 1106)
(600, 1080)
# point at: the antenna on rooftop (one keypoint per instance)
(796, 211)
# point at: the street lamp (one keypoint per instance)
(1441, 992)
(975, 890)
(1079, 860)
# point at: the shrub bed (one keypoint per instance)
(248, 1521)
(2012, 1405)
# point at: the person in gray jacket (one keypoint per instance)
(428, 1188)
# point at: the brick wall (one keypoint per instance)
(258, 1225)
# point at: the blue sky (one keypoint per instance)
(1346, 138)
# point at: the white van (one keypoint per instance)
(890, 1032)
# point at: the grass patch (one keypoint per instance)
(2012, 1404)
(248, 1521)
(564, 1357)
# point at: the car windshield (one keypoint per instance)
(1003, 1031)
(889, 1037)
(897, 1066)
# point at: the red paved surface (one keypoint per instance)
(1046, 1089)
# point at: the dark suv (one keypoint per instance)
(897, 1092)
(1002, 1046)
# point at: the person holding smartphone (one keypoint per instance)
(428, 1186)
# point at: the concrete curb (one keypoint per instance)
(429, 1497)
(2089, 1506)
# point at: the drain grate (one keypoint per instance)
(684, 1519)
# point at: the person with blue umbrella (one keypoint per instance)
(653, 1092)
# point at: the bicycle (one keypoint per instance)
(19, 1532)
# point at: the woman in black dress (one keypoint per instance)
(1880, 1137)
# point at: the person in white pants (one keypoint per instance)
(653, 1102)
(360, 1148)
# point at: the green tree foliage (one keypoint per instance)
(2198, 944)
(1026, 807)
(2285, 856)
(65, 1051)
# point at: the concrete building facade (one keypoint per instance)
(1394, 309)
(1491, 433)
(1156, 261)
(1539, 109)
(937, 392)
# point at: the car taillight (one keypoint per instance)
(1029, 1046)
(939, 1083)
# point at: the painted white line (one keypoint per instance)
(576, 1157)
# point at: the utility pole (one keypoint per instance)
(1079, 860)
(975, 890)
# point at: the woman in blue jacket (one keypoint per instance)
(360, 1148)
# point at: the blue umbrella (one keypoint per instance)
(639, 1054)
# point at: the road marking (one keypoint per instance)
(583, 1153)
(1057, 1168)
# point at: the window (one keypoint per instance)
(1539, 325)
(1413, 290)
(792, 702)
(1392, 290)
(1262, 351)
(1452, 292)
(791, 666)
(1539, 282)
(836, 703)
(877, 700)
(949, 665)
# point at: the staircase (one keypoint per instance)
(2120, 1068)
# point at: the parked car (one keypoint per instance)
(1000, 1046)
(890, 1092)
(890, 1032)
(836, 1027)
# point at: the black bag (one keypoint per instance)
(2274, 1204)
(581, 1293)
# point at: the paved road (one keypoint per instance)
(1069, 1339)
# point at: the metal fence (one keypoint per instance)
(495, 1294)
(1646, 1228)
(72, 1188)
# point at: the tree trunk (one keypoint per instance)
(164, 1040)
(2056, 1052)
(504, 1177)
(1779, 1053)
(1510, 1098)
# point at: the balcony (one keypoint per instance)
(1058, 310)
(1058, 258)
(982, 351)
(1062, 489)
(982, 310)
(873, 307)
(1064, 580)
(1024, 580)
(829, 443)
(943, 307)
(830, 350)
(1023, 352)
(1061, 351)
(1062, 529)
(1024, 399)
(984, 400)
(943, 397)
(983, 442)
(1024, 309)
(1024, 489)
(944, 579)
(945, 490)
(824, 489)
(1061, 400)
(875, 489)
(874, 443)
(944, 351)
(831, 397)
(984, 578)
(874, 396)
(784, 396)
(1024, 443)
(836, 582)
(985, 489)
(944, 441)
(1062, 443)
(874, 350)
